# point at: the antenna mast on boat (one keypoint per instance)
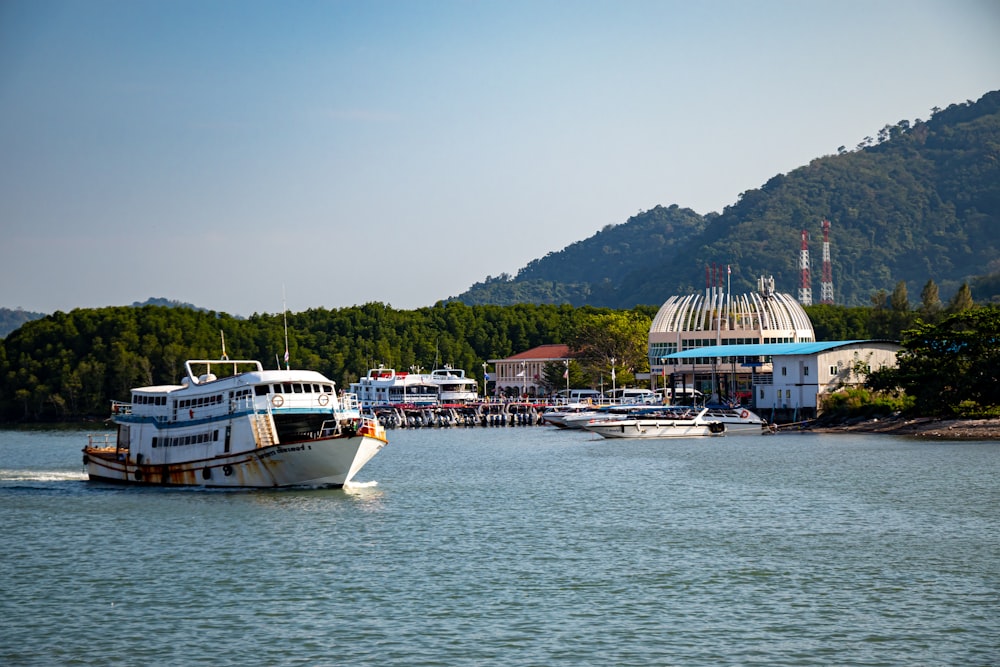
(223, 335)
(284, 314)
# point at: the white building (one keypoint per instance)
(798, 374)
(720, 318)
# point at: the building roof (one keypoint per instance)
(767, 349)
(764, 310)
(555, 351)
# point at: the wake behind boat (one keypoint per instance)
(250, 428)
(667, 423)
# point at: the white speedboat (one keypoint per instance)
(666, 424)
(605, 413)
(246, 427)
(557, 415)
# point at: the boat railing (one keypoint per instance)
(102, 441)
(244, 404)
(121, 408)
(370, 425)
(350, 403)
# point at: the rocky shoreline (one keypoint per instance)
(921, 427)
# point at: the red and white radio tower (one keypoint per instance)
(826, 284)
(805, 286)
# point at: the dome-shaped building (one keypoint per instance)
(719, 318)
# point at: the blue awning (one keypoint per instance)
(761, 349)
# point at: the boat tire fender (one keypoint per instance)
(227, 470)
(206, 473)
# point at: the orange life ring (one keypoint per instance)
(277, 401)
(744, 414)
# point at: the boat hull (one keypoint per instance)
(329, 462)
(653, 428)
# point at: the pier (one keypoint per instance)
(465, 415)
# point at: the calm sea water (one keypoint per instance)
(517, 546)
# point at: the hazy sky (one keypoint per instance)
(221, 152)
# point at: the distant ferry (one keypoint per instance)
(453, 387)
(383, 387)
(249, 428)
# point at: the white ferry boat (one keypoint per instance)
(668, 424)
(386, 387)
(383, 387)
(250, 428)
(454, 387)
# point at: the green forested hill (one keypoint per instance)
(66, 365)
(591, 271)
(920, 201)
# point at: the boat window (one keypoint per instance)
(297, 388)
(261, 390)
(286, 388)
(328, 388)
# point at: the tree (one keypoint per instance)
(554, 376)
(930, 302)
(615, 341)
(900, 317)
(951, 368)
(879, 322)
(962, 300)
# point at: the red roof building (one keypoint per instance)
(521, 374)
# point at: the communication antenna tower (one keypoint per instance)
(805, 286)
(826, 284)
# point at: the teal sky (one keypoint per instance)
(221, 152)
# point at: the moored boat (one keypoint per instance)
(385, 387)
(454, 388)
(667, 424)
(556, 415)
(249, 428)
